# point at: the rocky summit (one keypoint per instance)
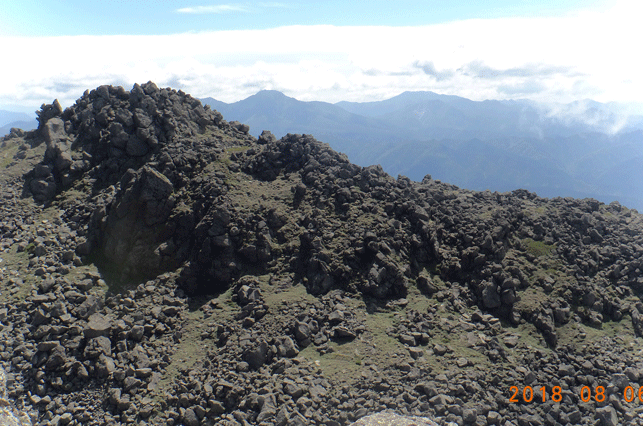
(161, 266)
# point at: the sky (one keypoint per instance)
(548, 51)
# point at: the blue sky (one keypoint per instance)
(553, 52)
(111, 17)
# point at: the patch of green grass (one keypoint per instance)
(531, 300)
(488, 213)
(377, 324)
(531, 211)
(6, 157)
(192, 348)
(531, 337)
(577, 335)
(275, 299)
(14, 261)
(343, 365)
(419, 301)
(76, 193)
(537, 248)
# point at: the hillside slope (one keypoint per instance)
(161, 265)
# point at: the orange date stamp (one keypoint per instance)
(587, 394)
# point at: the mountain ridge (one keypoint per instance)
(428, 121)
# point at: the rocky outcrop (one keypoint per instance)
(135, 149)
(228, 264)
(132, 231)
(109, 130)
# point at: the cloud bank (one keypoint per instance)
(556, 60)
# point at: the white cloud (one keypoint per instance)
(221, 8)
(587, 55)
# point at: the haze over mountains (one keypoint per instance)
(9, 119)
(582, 149)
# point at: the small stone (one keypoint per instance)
(407, 339)
(47, 346)
(287, 348)
(469, 415)
(190, 418)
(216, 407)
(336, 317)
(511, 340)
(130, 383)
(257, 356)
(137, 332)
(493, 418)
(416, 352)
(607, 416)
(344, 333)
(440, 349)
(97, 346)
(97, 325)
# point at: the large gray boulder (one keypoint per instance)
(392, 419)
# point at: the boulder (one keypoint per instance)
(266, 137)
(97, 346)
(258, 355)
(392, 419)
(607, 416)
(56, 138)
(97, 325)
(287, 348)
(490, 296)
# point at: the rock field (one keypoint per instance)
(160, 266)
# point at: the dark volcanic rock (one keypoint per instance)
(97, 325)
(135, 225)
(422, 297)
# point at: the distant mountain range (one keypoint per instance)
(9, 119)
(582, 149)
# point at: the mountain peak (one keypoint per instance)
(270, 95)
